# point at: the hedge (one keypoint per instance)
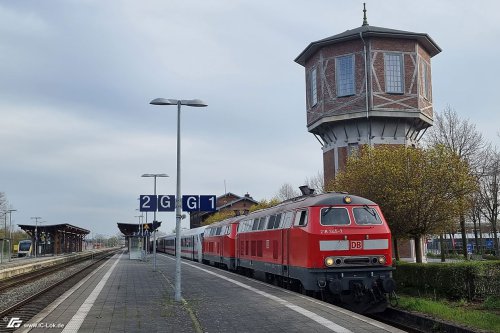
(465, 280)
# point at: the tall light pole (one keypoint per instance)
(10, 221)
(178, 200)
(10, 229)
(155, 175)
(36, 218)
(4, 237)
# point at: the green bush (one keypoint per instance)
(465, 280)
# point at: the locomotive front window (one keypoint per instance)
(24, 246)
(366, 215)
(334, 216)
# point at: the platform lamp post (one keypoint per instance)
(10, 229)
(155, 175)
(178, 200)
(4, 237)
(36, 218)
(139, 230)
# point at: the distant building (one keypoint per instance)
(367, 86)
(226, 202)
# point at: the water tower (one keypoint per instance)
(367, 86)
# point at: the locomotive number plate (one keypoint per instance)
(356, 245)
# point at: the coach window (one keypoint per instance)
(270, 223)
(255, 224)
(301, 218)
(287, 220)
(262, 223)
(334, 216)
(277, 221)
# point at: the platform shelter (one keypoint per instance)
(57, 238)
(137, 237)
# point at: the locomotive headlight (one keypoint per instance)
(381, 260)
(347, 199)
(329, 262)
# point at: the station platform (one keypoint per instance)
(23, 265)
(126, 295)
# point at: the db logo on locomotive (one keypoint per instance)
(356, 245)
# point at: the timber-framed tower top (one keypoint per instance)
(367, 86)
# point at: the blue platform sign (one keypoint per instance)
(195, 203)
(166, 203)
(190, 203)
(208, 203)
(148, 203)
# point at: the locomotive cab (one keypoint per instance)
(345, 250)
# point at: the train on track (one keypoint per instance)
(333, 245)
(25, 248)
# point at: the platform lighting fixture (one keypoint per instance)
(178, 202)
(155, 175)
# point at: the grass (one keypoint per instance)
(485, 316)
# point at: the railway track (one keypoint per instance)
(31, 305)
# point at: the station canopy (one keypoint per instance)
(133, 229)
(65, 228)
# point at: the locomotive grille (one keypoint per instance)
(357, 261)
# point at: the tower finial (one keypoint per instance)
(365, 22)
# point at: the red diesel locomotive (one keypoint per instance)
(332, 244)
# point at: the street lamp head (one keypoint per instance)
(189, 102)
(163, 101)
(194, 102)
(154, 175)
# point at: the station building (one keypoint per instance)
(226, 202)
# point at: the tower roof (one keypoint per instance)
(368, 31)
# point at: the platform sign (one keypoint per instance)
(148, 203)
(190, 203)
(166, 203)
(194, 203)
(208, 203)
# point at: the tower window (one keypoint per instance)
(393, 63)
(314, 88)
(353, 149)
(345, 75)
(425, 80)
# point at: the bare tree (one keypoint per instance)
(461, 137)
(286, 192)
(3, 201)
(317, 183)
(458, 135)
(490, 193)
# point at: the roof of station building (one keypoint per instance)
(367, 31)
(68, 228)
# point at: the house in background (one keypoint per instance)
(226, 202)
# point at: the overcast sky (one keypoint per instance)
(77, 76)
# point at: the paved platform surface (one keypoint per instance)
(128, 296)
